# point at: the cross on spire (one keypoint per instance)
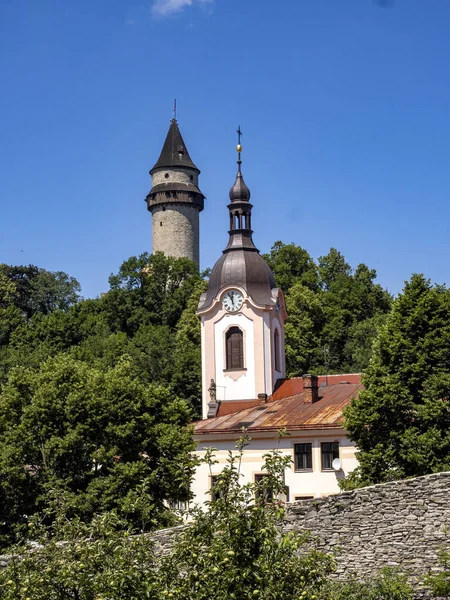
(239, 132)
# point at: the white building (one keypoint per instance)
(243, 375)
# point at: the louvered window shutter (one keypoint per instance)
(276, 339)
(235, 348)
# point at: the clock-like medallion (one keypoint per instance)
(232, 301)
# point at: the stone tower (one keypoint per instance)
(175, 200)
(242, 316)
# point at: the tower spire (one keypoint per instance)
(239, 148)
(239, 192)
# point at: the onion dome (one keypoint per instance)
(239, 192)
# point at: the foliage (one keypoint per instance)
(439, 582)
(10, 316)
(303, 330)
(186, 367)
(78, 561)
(93, 433)
(65, 364)
(150, 289)
(41, 291)
(401, 421)
(292, 264)
(233, 550)
(389, 584)
(334, 311)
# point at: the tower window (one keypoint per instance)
(166, 175)
(192, 177)
(235, 348)
(160, 223)
(276, 349)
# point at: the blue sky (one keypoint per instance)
(344, 105)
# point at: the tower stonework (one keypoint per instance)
(175, 200)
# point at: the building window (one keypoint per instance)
(214, 495)
(297, 498)
(330, 451)
(179, 505)
(303, 457)
(235, 348)
(262, 492)
(191, 177)
(160, 223)
(276, 349)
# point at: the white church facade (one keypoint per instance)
(244, 383)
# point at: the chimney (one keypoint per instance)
(262, 397)
(311, 388)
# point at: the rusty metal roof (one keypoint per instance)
(288, 412)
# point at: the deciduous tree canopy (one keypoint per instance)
(334, 311)
(90, 387)
(401, 421)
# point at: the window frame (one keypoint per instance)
(276, 350)
(333, 452)
(233, 329)
(257, 477)
(212, 481)
(305, 469)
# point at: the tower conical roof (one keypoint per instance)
(174, 152)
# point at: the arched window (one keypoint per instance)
(235, 348)
(276, 349)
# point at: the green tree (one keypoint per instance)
(94, 433)
(43, 336)
(349, 299)
(150, 289)
(10, 316)
(41, 291)
(186, 368)
(292, 264)
(303, 330)
(401, 421)
(234, 549)
(332, 266)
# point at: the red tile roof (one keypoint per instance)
(287, 408)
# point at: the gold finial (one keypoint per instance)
(239, 148)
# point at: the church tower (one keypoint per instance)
(242, 316)
(175, 200)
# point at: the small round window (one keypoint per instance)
(166, 175)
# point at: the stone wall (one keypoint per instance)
(401, 524)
